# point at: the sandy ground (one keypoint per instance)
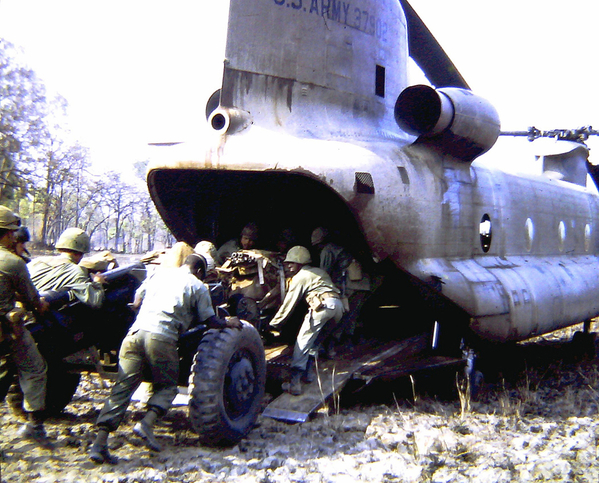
(536, 420)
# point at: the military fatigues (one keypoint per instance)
(316, 287)
(173, 300)
(335, 260)
(59, 272)
(31, 366)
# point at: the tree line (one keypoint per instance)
(48, 179)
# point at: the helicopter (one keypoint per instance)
(315, 125)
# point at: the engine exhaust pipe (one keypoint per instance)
(454, 120)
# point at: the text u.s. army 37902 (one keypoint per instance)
(343, 13)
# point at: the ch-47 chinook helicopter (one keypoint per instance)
(315, 125)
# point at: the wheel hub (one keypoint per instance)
(240, 387)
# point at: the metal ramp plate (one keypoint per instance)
(334, 374)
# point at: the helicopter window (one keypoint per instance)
(485, 232)
(530, 233)
(379, 85)
(587, 237)
(562, 235)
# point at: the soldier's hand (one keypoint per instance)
(99, 277)
(234, 323)
(44, 306)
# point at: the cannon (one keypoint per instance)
(224, 369)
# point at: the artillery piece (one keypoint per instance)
(223, 369)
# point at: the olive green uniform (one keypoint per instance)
(15, 284)
(59, 272)
(315, 286)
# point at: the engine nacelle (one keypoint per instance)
(453, 120)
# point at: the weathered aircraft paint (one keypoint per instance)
(316, 125)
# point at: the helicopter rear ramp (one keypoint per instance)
(365, 363)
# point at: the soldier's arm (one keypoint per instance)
(26, 291)
(292, 298)
(89, 293)
(205, 313)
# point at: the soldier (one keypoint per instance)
(22, 237)
(316, 287)
(63, 272)
(15, 283)
(176, 256)
(170, 301)
(333, 259)
(286, 240)
(247, 241)
(208, 251)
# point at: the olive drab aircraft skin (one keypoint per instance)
(315, 124)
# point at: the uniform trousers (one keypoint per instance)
(31, 370)
(141, 350)
(314, 321)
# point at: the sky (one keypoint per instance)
(138, 71)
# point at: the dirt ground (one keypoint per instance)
(536, 419)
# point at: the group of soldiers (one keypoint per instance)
(323, 287)
(170, 300)
(20, 284)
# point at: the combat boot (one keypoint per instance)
(145, 432)
(99, 452)
(34, 430)
(294, 386)
(144, 429)
(36, 433)
(309, 374)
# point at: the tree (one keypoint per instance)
(23, 110)
(120, 199)
(48, 175)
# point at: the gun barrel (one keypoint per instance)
(137, 269)
(56, 298)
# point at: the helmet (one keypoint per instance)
(74, 239)
(208, 251)
(8, 219)
(195, 261)
(250, 231)
(22, 235)
(206, 247)
(319, 235)
(298, 254)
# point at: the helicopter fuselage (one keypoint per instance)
(305, 133)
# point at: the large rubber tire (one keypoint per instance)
(7, 373)
(61, 387)
(226, 385)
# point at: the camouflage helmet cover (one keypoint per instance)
(8, 219)
(208, 251)
(319, 235)
(74, 239)
(298, 254)
(206, 247)
(250, 231)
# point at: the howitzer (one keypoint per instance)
(73, 337)
(60, 298)
(71, 326)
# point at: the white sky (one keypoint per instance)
(138, 71)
